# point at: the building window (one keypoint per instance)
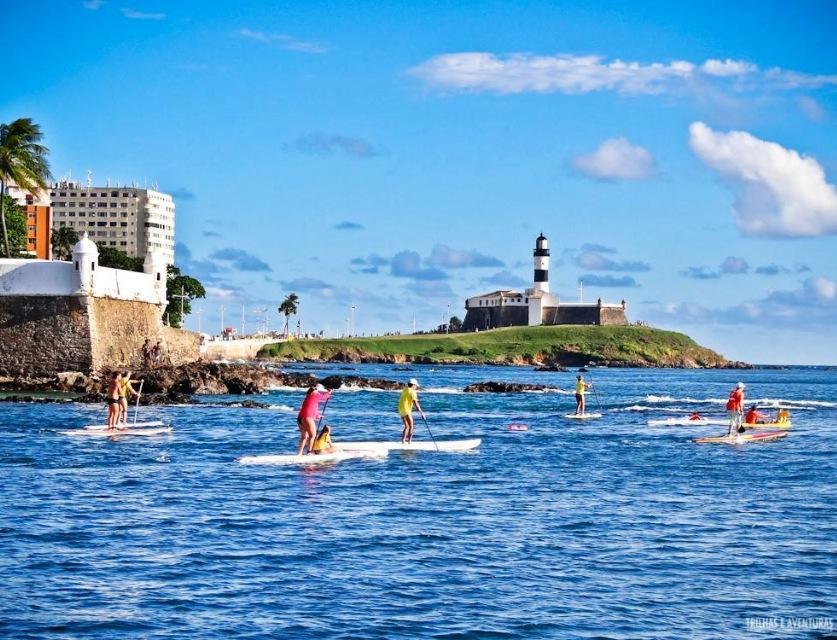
(113, 205)
(63, 194)
(91, 224)
(102, 205)
(123, 224)
(72, 194)
(123, 243)
(125, 194)
(102, 224)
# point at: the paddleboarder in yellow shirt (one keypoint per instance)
(580, 389)
(409, 397)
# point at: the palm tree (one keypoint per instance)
(289, 307)
(63, 240)
(23, 160)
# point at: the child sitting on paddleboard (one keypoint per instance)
(322, 443)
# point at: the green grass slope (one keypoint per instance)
(569, 345)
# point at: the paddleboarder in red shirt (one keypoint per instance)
(735, 409)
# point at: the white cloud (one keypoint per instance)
(726, 68)
(447, 258)
(142, 15)
(779, 192)
(616, 159)
(522, 72)
(92, 4)
(734, 265)
(812, 307)
(480, 71)
(812, 109)
(289, 43)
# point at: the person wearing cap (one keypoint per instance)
(308, 415)
(580, 388)
(735, 409)
(408, 399)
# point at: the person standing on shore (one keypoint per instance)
(580, 389)
(409, 399)
(147, 353)
(112, 398)
(735, 409)
(308, 415)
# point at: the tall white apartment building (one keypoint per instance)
(126, 218)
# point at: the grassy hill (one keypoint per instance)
(569, 345)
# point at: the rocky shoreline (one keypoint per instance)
(181, 385)
(560, 363)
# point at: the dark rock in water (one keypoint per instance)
(335, 382)
(506, 387)
(550, 367)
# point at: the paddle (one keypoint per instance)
(322, 415)
(595, 393)
(136, 410)
(430, 432)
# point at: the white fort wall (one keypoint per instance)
(54, 278)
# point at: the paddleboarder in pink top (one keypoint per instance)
(308, 415)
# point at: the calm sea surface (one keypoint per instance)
(605, 529)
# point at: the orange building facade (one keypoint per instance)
(38, 230)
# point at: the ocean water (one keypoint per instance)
(601, 529)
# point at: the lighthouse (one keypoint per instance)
(541, 254)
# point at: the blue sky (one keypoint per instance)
(403, 156)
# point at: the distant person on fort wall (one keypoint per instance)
(126, 389)
(735, 409)
(113, 399)
(406, 402)
(754, 416)
(580, 389)
(147, 353)
(158, 353)
(308, 415)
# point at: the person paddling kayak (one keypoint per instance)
(735, 409)
(580, 389)
(754, 416)
(308, 415)
(408, 399)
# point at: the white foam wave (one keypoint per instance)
(684, 422)
(281, 407)
(776, 403)
(561, 392)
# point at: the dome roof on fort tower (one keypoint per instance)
(86, 246)
(542, 236)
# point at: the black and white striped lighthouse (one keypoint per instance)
(541, 265)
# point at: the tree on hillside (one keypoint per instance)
(454, 324)
(288, 308)
(180, 291)
(23, 160)
(15, 224)
(63, 240)
(117, 259)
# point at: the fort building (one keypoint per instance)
(79, 316)
(536, 305)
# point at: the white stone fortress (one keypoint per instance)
(536, 306)
(80, 316)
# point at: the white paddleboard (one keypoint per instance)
(313, 459)
(116, 433)
(130, 425)
(423, 445)
(586, 416)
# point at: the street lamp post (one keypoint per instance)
(447, 324)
